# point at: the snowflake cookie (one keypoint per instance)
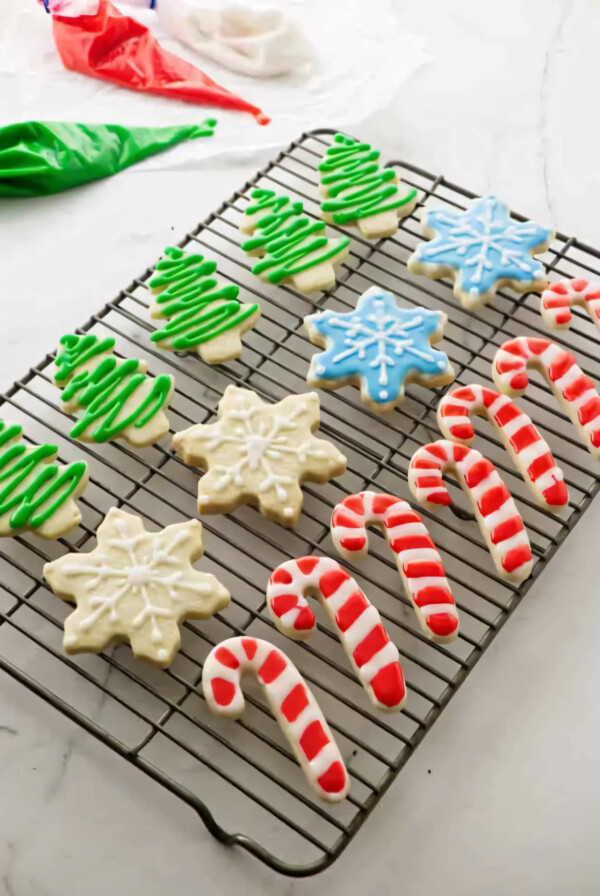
(482, 249)
(259, 453)
(379, 347)
(135, 586)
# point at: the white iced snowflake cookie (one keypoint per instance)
(258, 453)
(135, 586)
(482, 249)
(379, 347)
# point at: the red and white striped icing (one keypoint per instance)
(574, 390)
(374, 657)
(557, 300)
(418, 561)
(521, 438)
(494, 508)
(291, 702)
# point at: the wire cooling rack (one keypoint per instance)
(241, 777)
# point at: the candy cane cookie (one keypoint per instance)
(556, 301)
(418, 561)
(574, 391)
(494, 508)
(291, 702)
(374, 657)
(528, 450)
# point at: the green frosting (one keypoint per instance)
(286, 237)
(32, 488)
(357, 186)
(102, 392)
(190, 289)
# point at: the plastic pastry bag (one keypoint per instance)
(116, 48)
(42, 157)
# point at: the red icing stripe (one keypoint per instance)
(353, 543)
(272, 667)
(537, 346)
(223, 691)
(433, 595)
(577, 387)
(294, 703)
(350, 610)
(307, 564)
(226, 657)
(442, 624)
(429, 481)
(479, 471)
(305, 619)
(334, 779)
(416, 569)
(589, 411)
(400, 517)
(436, 450)
(561, 288)
(382, 502)
(493, 499)
(506, 413)
(462, 431)
(579, 285)
(313, 739)
(340, 518)
(280, 577)
(410, 543)
(557, 494)
(525, 436)
(519, 381)
(555, 302)
(516, 557)
(465, 394)
(250, 647)
(388, 685)
(460, 452)
(506, 529)
(355, 503)
(421, 463)
(454, 410)
(284, 602)
(540, 465)
(369, 646)
(560, 366)
(331, 580)
(440, 498)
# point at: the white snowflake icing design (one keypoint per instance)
(378, 342)
(135, 585)
(259, 453)
(484, 244)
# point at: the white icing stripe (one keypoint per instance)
(514, 541)
(531, 452)
(382, 658)
(421, 582)
(361, 627)
(406, 530)
(516, 424)
(452, 421)
(491, 481)
(434, 609)
(411, 555)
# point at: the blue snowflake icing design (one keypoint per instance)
(378, 342)
(485, 244)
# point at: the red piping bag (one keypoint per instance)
(116, 48)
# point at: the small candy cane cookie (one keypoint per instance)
(292, 248)
(418, 561)
(259, 453)
(291, 702)
(201, 311)
(135, 586)
(557, 300)
(379, 347)
(112, 398)
(494, 508)
(481, 249)
(359, 193)
(374, 657)
(574, 391)
(36, 494)
(528, 450)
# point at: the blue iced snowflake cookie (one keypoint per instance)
(379, 347)
(482, 249)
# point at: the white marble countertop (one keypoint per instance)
(502, 796)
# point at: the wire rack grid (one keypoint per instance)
(241, 777)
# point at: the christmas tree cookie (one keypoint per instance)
(379, 347)
(258, 453)
(203, 313)
(36, 494)
(292, 248)
(481, 249)
(359, 193)
(112, 398)
(135, 586)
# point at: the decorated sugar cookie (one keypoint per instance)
(259, 453)
(572, 388)
(292, 247)
(495, 511)
(359, 193)
(481, 249)
(36, 494)
(362, 634)
(522, 440)
(562, 294)
(380, 347)
(135, 586)
(112, 398)
(291, 702)
(202, 312)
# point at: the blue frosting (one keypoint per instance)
(484, 244)
(379, 342)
